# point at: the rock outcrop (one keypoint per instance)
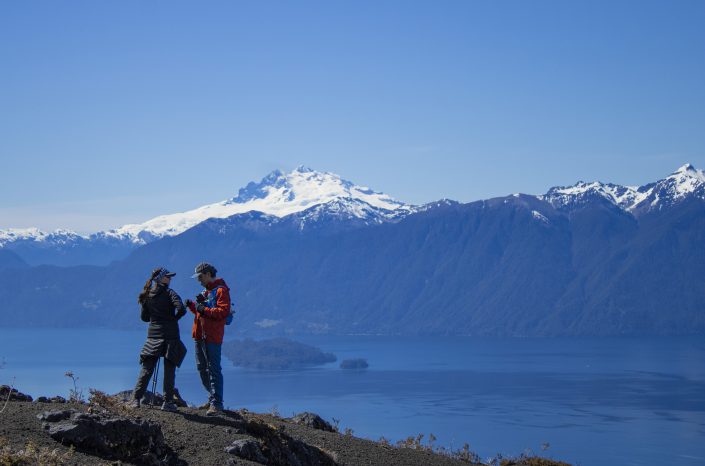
(103, 432)
(312, 420)
(247, 449)
(14, 395)
(53, 399)
(114, 438)
(149, 398)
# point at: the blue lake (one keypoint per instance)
(595, 401)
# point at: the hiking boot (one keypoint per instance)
(134, 404)
(168, 406)
(214, 410)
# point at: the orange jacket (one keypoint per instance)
(212, 323)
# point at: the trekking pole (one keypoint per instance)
(155, 379)
(205, 355)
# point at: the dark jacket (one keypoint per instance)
(162, 309)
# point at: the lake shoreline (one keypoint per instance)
(642, 400)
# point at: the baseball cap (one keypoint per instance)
(163, 272)
(204, 267)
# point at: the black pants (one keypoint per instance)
(148, 365)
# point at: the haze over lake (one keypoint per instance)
(595, 401)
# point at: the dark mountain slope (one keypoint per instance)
(507, 266)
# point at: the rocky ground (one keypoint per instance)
(105, 431)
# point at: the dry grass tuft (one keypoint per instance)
(100, 401)
(532, 461)
(32, 455)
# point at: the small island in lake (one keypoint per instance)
(354, 364)
(274, 353)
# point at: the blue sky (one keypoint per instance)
(114, 112)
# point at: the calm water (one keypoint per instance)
(595, 401)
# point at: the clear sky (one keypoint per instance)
(113, 112)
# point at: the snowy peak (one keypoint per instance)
(28, 235)
(687, 179)
(684, 182)
(348, 209)
(21, 234)
(259, 190)
(302, 188)
(580, 193)
(277, 194)
(689, 170)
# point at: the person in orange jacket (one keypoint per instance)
(211, 310)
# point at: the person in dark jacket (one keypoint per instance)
(162, 308)
(211, 310)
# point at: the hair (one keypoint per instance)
(142, 298)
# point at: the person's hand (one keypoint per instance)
(201, 308)
(189, 303)
(200, 298)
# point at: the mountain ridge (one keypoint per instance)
(512, 266)
(279, 194)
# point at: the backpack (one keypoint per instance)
(211, 302)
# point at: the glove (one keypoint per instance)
(201, 308)
(200, 298)
(188, 303)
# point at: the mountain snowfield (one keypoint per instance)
(685, 181)
(280, 194)
(60, 236)
(277, 194)
(21, 234)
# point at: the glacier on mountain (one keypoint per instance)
(277, 194)
(685, 181)
(312, 194)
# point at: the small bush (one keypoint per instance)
(530, 461)
(465, 454)
(75, 394)
(416, 443)
(412, 442)
(101, 401)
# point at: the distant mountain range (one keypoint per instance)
(308, 252)
(278, 194)
(686, 182)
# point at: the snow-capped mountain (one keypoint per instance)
(685, 182)
(12, 235)
(30, 235)
(349, 210)
(312, 199)
(278, 194)
(580, 193)
(520, 265)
